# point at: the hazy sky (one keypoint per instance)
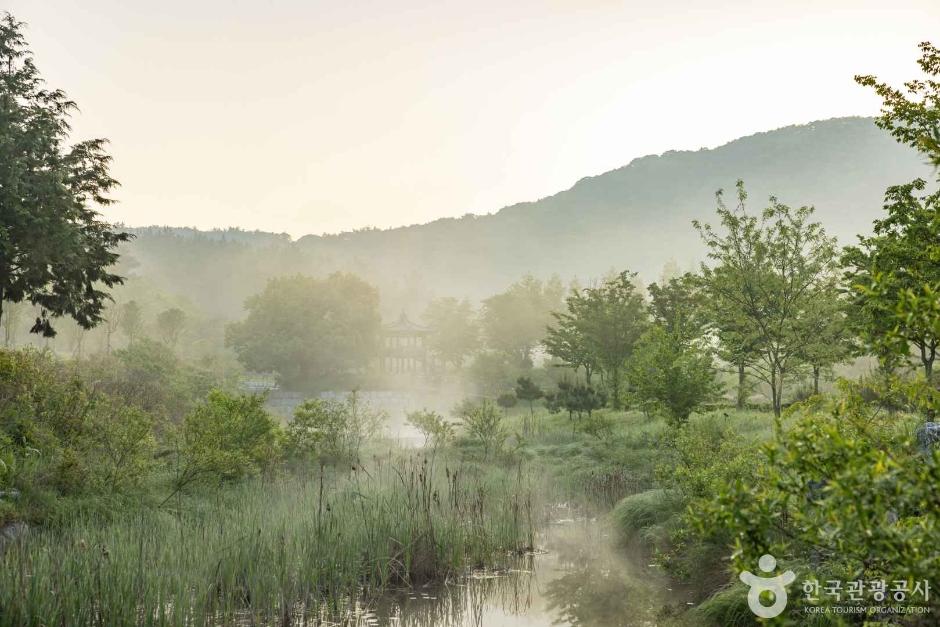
(308, 116)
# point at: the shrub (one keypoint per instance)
(435, 429)
(225, 438)
(332, 430)
(484, 423)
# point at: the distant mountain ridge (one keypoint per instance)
(636, 217)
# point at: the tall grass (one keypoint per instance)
(283, 552)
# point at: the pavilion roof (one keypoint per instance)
(403, 324)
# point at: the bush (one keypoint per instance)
(332, 430)
(484, 423)
(226, 438)
(435, 429)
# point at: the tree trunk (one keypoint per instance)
(775, 391)
(927, 356)
(815, 379)
(742, 378)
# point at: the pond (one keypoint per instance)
(580, 577)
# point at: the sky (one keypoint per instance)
(310, 116)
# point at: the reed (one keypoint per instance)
(285, 552)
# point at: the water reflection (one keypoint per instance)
(582, 580)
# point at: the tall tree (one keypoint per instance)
(306, 328)
(566, 339)
(55, 251)
(902, 256)
(514, 321)
(768, 270)
(170, 325)
(132, 321)
(455, 332)
(613, 317)
(678, 305)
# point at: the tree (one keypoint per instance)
(307, 328)
(767, 271)
(455, 333)
(10, 317)
(566, 340)
(514, 322)
(132, 321)
(115, 315)
(678, 304)
(612, 317)
(55, 251)
(915, 122)
(902, 257)
(672, 374)
(170, 324)
(833, 343)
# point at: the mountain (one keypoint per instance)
(636, 217)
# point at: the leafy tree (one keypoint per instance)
(902, 258)
(738, 339)
(307, 328)
(612, 319)
(768, 271)
(671, 374)
(55, 251)
(679, 305)
(566, 339)
(456, 333)
(491, 372)
(914, 121)
(514, 321)
(132, 321)
(437, 431)
(170, 324)
(834, 341)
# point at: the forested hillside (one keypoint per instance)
(636, 217)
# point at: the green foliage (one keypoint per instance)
(437, 431)
(596, 423)
(333, 430)
(226, 438)
(455, 332)
(307, 328)
(485, 423)
(600, 329)
(639, 511)
(769, 275)
(679, 305)
(898, 260)
(514, 321)
(844, 488)
(672, 375)
(507, 400)
(132, 321)
(913, 120)
(56, 252)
